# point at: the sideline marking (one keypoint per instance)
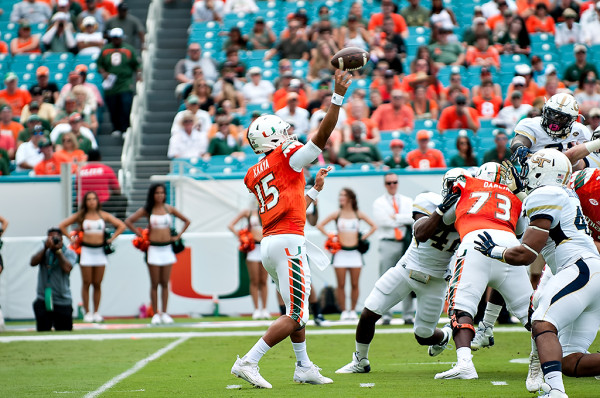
(425, 363)
(368, 385)
(175, 335)
(135, 368)
(75, 392)
(499, 383)
(519, 360)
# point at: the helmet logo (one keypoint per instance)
(540, 161)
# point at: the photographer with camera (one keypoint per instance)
(60, 36)
(53, 304)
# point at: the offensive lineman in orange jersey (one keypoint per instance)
(278, 182)
(485, 204)
(586, 183)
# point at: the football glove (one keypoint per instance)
(512, 177)
(449, 200)
(521, 154)
(488, 248)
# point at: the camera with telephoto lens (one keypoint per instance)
(56, 240)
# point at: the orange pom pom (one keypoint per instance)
(142, 243)
(332, 244)
(247, 243)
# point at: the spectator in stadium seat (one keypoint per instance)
(70, 7)
(293, 47)
(45, 110)
(70, 152)
(261, 37)
(388, 38)
(184, 67)
(588, 97)
(442, 17)
(76, 79)
(455, 84)
(32, 125)
(485, 75)
(229, 87)
(34, 11)
(85, 138)
(208, 10)
(458, 115)
(203, 91)
(7, 125)
(117, 64)
(415, 15)
(356, 9)
(258, 91)
(83, 107)
(358, 113)
(49, 165)
(62, 114)
(131, 26)
(320, 63)
(223, 143)
(515, 40)
(386, 82)
(289, 85)
(519, 84)
(243, 6)
(375, 101)
(387, 8)
(353, 35)
(50, 90)
(568, 32)
(296, 113)
(540, 21)
(478, 28)
(482, 53)
(7, 143)
(444, 52)
(396, 115)
(591, 30)
(487, 103)
(28, 154)
(423, 107)
(235, 40)
(559, 9)
(593, 119)
(14, 96)
(25, 42)
(60, 35)
(501, 21)
(90, 40)
(393, 58)
(232, 60)
(98, 177)
(356, 150)
(424, 157)
(575, 70)
(55, 264)
(491, 8)
(396, 160)
(100, 15)
(3, 47)
(190, 142)
(285, 72)
(501, 151)
(465, 157)
(509, 116)
(203, 119)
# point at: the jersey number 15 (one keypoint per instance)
(268, 195)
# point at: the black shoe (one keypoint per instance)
(409, 321)
(319, 319)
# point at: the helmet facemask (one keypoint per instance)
(557, 124)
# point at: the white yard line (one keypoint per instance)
(175, 335)
(135, 368)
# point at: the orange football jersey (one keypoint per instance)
(279, 190)
(589, 196)
(485, 205)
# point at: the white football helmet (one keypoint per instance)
(450, 177)
(548, 167)
(558, 115)
(491, 172)
(267, 133)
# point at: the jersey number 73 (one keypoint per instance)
(503, 204)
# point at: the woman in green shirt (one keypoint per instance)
(465, 157)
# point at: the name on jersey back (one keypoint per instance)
(260, 167)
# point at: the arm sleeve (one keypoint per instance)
(305, 155)
(450, 216)
(49, 35)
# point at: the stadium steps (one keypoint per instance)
(161, 104)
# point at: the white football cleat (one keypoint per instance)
(461, 370)
(88, 318)
(156, 320)
(345, 316)
(257, 314)
(249, 372)
(437, 349)
(552, 393)
(265, 314)
(98, 317)
(484, 337)
(310, 375)
(166, 318)
(356, 366)
(535, 376)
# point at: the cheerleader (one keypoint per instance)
(91, 221)
(160, 256)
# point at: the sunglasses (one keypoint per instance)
(38, 133)
(391, 183)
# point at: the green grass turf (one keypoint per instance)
(200, 367)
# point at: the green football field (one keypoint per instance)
(188, 361)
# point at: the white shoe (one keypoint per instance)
(249, 372)
(356, 366)
(535, 377)
(265, 314)
(344, 316)
(552, 393)
(461, 370)
(484, 337)
(166, 319)
(310, 375)
(352, 316)
(437, 349)
(88, 318)
(257, 314)
(156, 320)
(98, 317)
(2, 324)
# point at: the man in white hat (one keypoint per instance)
(257, 91)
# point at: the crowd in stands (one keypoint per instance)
(445, 85)
(63, 63)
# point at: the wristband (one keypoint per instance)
(438, 211)
(592, 146)
(337, 99)
(312, 193)
(498, 253)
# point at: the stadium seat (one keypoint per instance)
(425, 124)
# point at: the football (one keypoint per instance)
(350, 58)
